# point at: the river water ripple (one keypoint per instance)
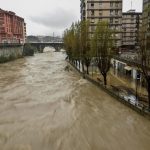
(43, 107)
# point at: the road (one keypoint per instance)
(44, 107)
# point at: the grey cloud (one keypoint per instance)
(59, 18)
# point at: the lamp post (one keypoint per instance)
(137, 78)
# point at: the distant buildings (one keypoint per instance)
(12, 28)
(43, 39)
(131, 23)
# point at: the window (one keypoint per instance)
(111, 12)
(92, 21)
(131, 34)
(124, 34)
(116, 20)
(111, 4)
(92, 12)
(92, 4)
(116, 12)
(100, 13)
(111, 20)
(117, 4)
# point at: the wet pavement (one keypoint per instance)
(125, 86)
(44, 107)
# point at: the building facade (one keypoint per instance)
(131, 23)
(12, 28)
(103, 10)
(146, 22)
(146, 15)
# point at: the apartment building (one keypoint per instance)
(146, 22)
(146, 15)
(131, 22)
(12, 28)
(103, 10)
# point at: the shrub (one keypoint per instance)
(28, 50)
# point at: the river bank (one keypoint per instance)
(135, 106)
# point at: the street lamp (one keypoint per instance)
(137, 78)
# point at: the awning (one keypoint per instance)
(128, 68)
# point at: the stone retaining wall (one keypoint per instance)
(8, 53)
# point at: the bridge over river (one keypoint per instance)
(40, 46)
(44, 107)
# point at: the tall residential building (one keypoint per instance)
(146, 15)
(12, 28)
(103, 10)
(146, 22)
(131, 22)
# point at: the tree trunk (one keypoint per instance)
(105, 79)
(87, 71)
(82, 66)
(76, 63)
(79, 64)
(148, 95)
(83, 69)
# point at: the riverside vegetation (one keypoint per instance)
(84, 48)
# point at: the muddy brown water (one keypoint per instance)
(44, 107)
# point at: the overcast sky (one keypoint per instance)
(43, 17)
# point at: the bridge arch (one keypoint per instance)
(40, 46)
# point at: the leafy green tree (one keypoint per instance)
(28, 50)
(102, 46)
(67, 43)
(77, 43)
(85, 45)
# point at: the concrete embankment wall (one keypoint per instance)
(8, 52)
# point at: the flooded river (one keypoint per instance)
(43, 107)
